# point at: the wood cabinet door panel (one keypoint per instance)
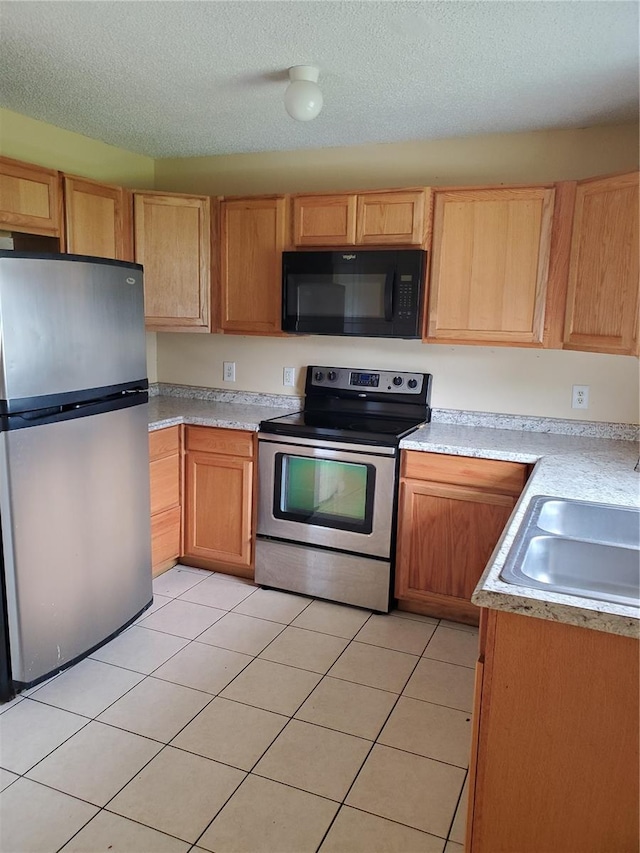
(165, 537)
(490, 474)
(602, 302)
(30, 198)
(252, 239)
(446, 535)
(324, 220)
(490, 265)
(558, 737)
(395, 218)
(218, 508)
(173, 243)
(98, 219)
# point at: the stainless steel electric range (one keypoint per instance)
(328, 479)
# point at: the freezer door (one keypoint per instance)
(74, 506)
(68, 325)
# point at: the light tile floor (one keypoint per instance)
(231, 719)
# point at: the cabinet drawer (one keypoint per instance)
(165, 483)
(165, 536)
(164, 442)
(505, 477)
(230, 442)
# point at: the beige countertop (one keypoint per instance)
(568, 466)
(169, 411)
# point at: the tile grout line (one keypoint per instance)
(455, 811)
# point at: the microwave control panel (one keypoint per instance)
(351, 379)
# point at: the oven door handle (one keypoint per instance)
(389, 287)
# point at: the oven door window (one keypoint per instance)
(324, 492)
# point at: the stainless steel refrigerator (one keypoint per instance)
(74, 459)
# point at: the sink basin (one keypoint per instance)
(591, 522)
(575, 567)
(578, 548)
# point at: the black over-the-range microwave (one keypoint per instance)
(365, 293)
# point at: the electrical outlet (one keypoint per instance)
(289, 377)
(229, 371)
(580, 397)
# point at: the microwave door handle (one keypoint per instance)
(388, 296)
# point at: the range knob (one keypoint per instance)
(412, 383)
(318, 376)
(332, 376)
(397, 381)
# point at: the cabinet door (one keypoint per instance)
(324, 220)
(490, 265)
(173, 243)
(30, 198)
(393, 218)
(446, 535)
(252, 238)
(602, 302)
(98, 219)
(218, 510)
(558, 709)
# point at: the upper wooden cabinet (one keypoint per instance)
(602, 299)
(324, 220)
(489, 265)
(391, 218)
(252, 237)
(98, 219)
(173, 242)
(30, 198)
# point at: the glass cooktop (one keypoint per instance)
(342, 426)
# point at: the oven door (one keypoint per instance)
(326, 493)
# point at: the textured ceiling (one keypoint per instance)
(179, 79)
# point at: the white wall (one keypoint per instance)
(491, 379)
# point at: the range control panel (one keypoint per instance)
(355, 379)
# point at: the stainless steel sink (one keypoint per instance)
(578, 548)
(591, 522)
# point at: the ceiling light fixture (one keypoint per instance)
(303, 98)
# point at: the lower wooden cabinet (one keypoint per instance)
(554, 759)
(451, 513)
(219, 488)
(166, 512)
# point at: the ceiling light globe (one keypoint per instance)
(303, 100)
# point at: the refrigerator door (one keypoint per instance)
(68, 324)
(74, 508)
